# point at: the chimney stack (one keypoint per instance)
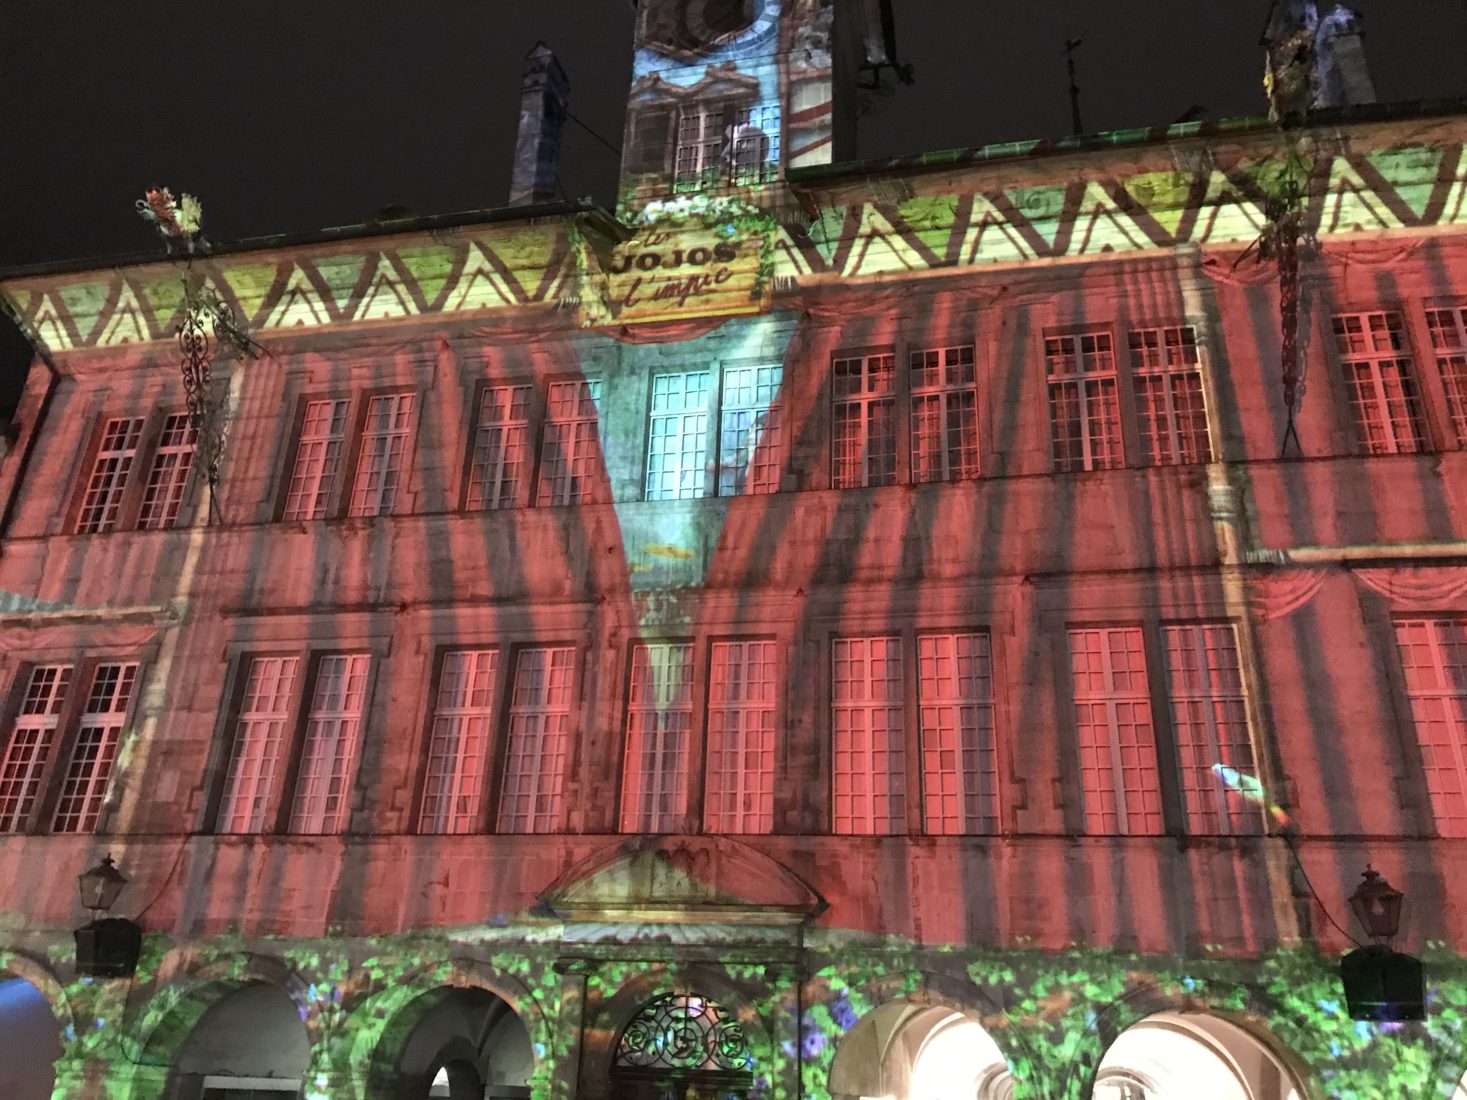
(542, 119)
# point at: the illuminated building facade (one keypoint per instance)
(829, 631)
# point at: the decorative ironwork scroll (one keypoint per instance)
(684, 1032)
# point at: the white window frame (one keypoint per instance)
(1447, 327)
(538, 745)
(316, 468)
(499, 468)
(383, 454)
(956, 724)
(953, 393)
(1439, 714)
(659, 734)
(868, 737)
(460, 742)
(1166, 379)
(750, 430)
(172, 463)
(743, 685)
(262, 736)
(321, 804)
(94, 748)
(678, 436)
(30, 744)
(571, 467)
(1076, 362)
(1119, 774)
(854, 464)
(1371, 345)
(107, 478)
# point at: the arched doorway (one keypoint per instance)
(250, 1045)
(682, 1046)
(31, 1040)
(1192, 1056)
(910, 1052)
(454, 1043)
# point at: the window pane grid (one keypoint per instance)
(863, 447)
(498, 472)
(1448, 328)
(959, 762)
(1209, 715)
(570, 459)
(539, 721)
(699, 141)
(458, 749)
(755, 141)
(740, 789)
(317, 460)
(108, 478)
(1119, 780)
(383, 454)
(29, 746)
(333, 731)
(751, 436)
(84, 783)
(659, 726)
(169, 475)
(1084, 405)
(258, 740)
(677, 447)
(944, 413)
(1168, 382)
(1383, 395)
(1434, 659)
(869, 765)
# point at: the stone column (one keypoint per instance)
(565, 1078)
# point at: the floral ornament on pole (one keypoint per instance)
(177, 220)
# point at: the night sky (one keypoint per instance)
(289, 117)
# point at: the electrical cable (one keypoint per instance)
(615, 149)
(1289, 840)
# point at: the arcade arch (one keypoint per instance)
(31, 1041)
(1192, 1056)
(252, 1040)
(455, 1043)
(910, 1052)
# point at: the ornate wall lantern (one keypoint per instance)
(106, 947)
(1381, 984)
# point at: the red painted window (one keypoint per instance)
(1383, 393)
(499, 472)
(1118, 772)
(458, 748)
(383, 456)
(1210, 719)
(539, 724)
(30, 744)
(742, 681)
(259, 738)
(677, 436)
(84, 782)
(317, 460)
(751, 432)
(1084, 406)
(1448, 328)
(864, 444)
(944, 414)
(659, 727)
(1434, 656)
(169, 475)
(1167, 377)
(959, 764)
(867, 722)
(333, 734)
(108, 478)
(570, 460)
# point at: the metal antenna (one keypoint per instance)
(1071, 45)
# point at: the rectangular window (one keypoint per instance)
(700, 140)
(864, 443)
(30, 743)
(499, 475)
(383, 454)
(260, 734)
(869, 763)
(677, 437)
(329, 757)
(751, 433)
(169, 475)
(1084, 402)
(659, 727)
(944, 414)
(755, 141)
(1383, 393)
(458, 749)
(539, 724)
(740, 788)
(1434, 657)
(570, 460)
(1448, 328)
(1210, 719)
(1118, 772)
(108, 478)
(1167, 376)
(85, 780)
(959, 764)
(317, 460)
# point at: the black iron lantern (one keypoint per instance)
(106, 947)
(1381, 984)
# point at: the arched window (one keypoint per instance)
(685, 1042)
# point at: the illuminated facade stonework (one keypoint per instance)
(810, 637)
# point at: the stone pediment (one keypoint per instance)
(679, 879)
